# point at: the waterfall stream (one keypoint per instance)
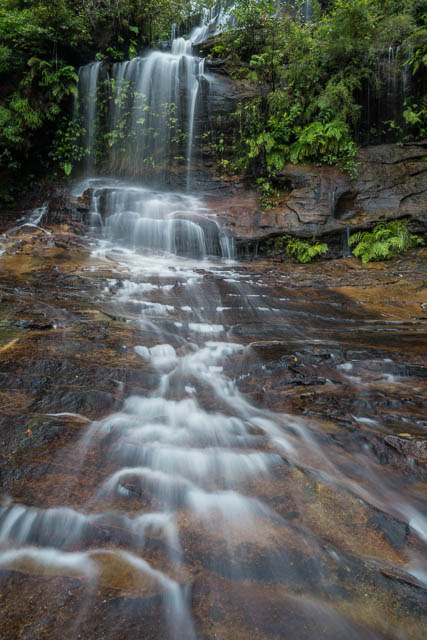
(88, 86)
(151, 108)
(196, 497)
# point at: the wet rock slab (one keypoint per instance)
(345, 352)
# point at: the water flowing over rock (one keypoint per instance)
(144, 219)
(151, 109)
(152, 118)
(195, 448)
(185, 440)
(88, 89)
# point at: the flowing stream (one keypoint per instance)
(210, 507)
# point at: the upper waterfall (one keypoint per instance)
(139, 116)
(140, 121)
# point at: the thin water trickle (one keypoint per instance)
(88, 96)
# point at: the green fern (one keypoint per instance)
(385, 241)
(318, 139)
(305, 251)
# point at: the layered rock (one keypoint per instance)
(391, 183)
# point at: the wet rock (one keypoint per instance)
(38, 326)
(49, 607)
(328, 560)
(66, 209)
(395, 531)
(409, 447)
(249, 612)
(401, 576)
(322, 200)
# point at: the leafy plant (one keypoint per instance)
(67, 147)
(316, 81)
(318, 140)
(415, 117)
(385, 241)
(269, 193)
(305, 250)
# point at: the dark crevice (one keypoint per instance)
(344, 207)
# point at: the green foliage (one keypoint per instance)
(67, 147)
(58, 82)
(305, 251)
(268, 192)
(415, 116)
(311, 78)
(384, 242)
(302, 251)
(395, 28)
(418, 59)
(318, 140)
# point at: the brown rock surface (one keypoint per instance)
(391, 183)
(339, 563)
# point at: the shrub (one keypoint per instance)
(385, 241)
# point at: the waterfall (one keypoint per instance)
(385, 101)
(194, 91)
(151, 110)
(149, 123)
(308, 11)
(153, 221)
(346, 253)
(88, 90)
(237, 467)
(146, 122)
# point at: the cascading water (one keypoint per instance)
(88, 92)
(308, 11)
(151, 110)
(213, 21)
(201, 514)
(198, 500)
(384, 105)
(151, 119)
(156, 221)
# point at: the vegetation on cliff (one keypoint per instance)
(351, 74)
(386, 240)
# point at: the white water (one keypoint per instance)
(89, 77)
(191, 445)
(142, 219)
(152, 109)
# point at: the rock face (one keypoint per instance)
(73, 211)
(391, 183)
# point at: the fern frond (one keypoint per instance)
(385, 241)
